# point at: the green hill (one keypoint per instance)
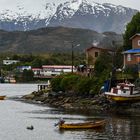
(54, 39)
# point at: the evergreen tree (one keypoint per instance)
(132, 28)
(104, 62)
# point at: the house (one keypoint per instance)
(22, 68)
(132, 56)
(9, 62)
(38, 72)
(92, 54)
(53, 70)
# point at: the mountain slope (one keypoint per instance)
(55, 39)
(73, 13)
(94, 16)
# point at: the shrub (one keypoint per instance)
(55, 83)
(69, 82)
(84, 85)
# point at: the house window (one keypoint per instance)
(128, 57)
(138, 42)
(96, 54)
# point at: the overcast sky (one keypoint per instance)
(127, 3)
(4, 4)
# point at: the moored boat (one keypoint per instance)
(84, 125)
(124, 92)
(2, 97)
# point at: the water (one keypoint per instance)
(15, 116)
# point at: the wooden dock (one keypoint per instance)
(44, 86)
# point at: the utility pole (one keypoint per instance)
(72, 55)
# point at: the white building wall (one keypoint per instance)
(57, 70)
(38, 72)
(9, 62)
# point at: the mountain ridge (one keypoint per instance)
(73, 13)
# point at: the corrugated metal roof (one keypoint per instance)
(132, 51)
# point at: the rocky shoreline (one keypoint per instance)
(76, 102)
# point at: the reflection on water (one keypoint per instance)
(16, 116)
(124, 127)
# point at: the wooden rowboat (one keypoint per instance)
(84, 125)
(2, 97)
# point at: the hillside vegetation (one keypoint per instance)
(55, 39)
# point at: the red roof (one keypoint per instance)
(36, 69)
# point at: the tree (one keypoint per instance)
(37, 62)
(27, 75)
(104, 62)
(132, 28)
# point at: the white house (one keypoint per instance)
(9, 62)
(38, 71)
(53, 70)
(22, 68)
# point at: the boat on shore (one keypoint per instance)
(124, 92)
(2, 97)
(83, 125)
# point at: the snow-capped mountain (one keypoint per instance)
(73, 13)
(91, 15)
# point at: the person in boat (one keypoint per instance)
(61, 121)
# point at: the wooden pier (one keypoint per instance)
(42, 87)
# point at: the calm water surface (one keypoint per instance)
(15, 116)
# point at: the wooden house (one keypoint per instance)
(93, 53)
(132, 56)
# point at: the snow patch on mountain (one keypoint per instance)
(19, 12)
(67, 9)
(72, 13)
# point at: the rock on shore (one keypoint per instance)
(74, 101)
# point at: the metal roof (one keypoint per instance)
(132, 51)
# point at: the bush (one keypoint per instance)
(79, 84)
(69, 82)
(84, 85)
(55, 83)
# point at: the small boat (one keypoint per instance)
(124, 92)
(30, 127)
(84, 125)
(2, 97)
